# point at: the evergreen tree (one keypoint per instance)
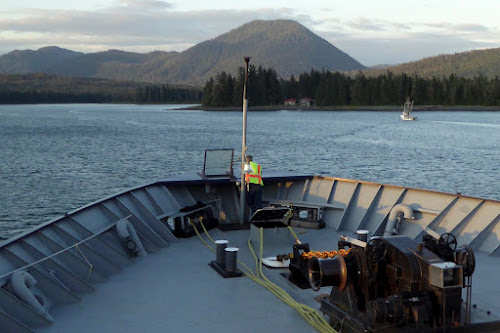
(207, 93)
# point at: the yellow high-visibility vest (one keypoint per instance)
(256, 176)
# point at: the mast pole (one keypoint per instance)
(243, 202)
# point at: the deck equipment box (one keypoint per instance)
(276, 236)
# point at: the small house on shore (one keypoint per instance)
(290, 101)
(306, 101)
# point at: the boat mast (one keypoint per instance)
(243, 203)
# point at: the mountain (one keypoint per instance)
(284, 45)
(465, 64)
(29, 61)
(116, 65)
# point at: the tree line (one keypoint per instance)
(47, 88)
(164, 93)
(264, 88)
(334, 88)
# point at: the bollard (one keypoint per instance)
(231, 254)
(362, 235)
(220, 254)
(225, 263)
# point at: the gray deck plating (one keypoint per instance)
(176, 290)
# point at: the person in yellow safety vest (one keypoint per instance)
(254, 185)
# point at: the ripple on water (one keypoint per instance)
(58, 157)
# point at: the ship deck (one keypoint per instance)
(90, 282)
(176, 290)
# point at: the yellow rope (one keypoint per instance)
(88, 262)
(294, 235)
(312, 316)
(205, 230)
(199, 236)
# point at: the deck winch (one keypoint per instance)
(299, 263)
(393, 281)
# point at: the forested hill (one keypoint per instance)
(49, 88)
(284, 45)
(464, 64)
(112, 64)
(41, 60)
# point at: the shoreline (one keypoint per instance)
(341, 108)
(347, 108)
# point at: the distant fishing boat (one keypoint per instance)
(407, 107)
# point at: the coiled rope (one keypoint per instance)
(312, 316)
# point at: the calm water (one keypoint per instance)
(54, 158)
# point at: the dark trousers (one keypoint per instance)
(254, 197)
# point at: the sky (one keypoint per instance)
(372, 32)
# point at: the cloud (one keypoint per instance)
(401, 49)
(360, 25)
(373, 42)
(471, 28)
(365, 24)
(127, 21)
(148, 25)
(146, 4)
(453, 28)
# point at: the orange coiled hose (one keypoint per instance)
(324, 254)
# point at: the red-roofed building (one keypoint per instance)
(306, 101)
